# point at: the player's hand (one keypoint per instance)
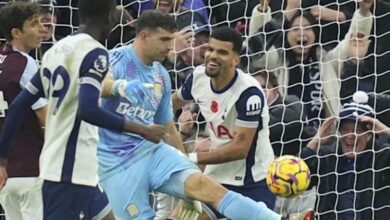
(134, 91)
(153, 133)
(3, 173)
(186, 120)
(137, 93)
(190, 210)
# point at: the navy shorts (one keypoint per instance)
(64, 201)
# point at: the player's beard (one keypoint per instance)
(211, 70)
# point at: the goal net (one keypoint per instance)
(310, 58)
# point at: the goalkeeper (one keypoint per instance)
(130, 166)
(350, 167)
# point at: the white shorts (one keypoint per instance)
(21, 198)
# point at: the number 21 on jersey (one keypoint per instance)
(3, 105)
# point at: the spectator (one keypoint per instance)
(376, 63)
(334, 18)
(140, 6)
(68, 21)
(300, 65)
(286, 117)
(354, 79)
(352, 75)
(189, 47)
(350, 169)
(49, 16)
(367, 69)
(124, 30)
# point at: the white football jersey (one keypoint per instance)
(241, 103)
(69, 151)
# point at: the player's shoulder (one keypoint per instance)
(245, 80)
(246, 77)
(76, 44)
(83, 38)
(31, 62)
(12, 56)
(200, 70)
(157, 65)
(118, 54)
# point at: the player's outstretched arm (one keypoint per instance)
(107, 84)
(172, 136)
(90, 112)
(134, 91)
(237, 149)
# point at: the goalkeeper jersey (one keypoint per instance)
(115, 148)
(241, 103)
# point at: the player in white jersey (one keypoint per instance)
(236, 112)
(129, 166)
(70, 78)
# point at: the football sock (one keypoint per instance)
(236, 207)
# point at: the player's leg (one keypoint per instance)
(10, 199)
(66, 201)
(231, 204)
(258, 192)
(128, 191)
(173, 173)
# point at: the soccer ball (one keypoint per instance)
(288, 176)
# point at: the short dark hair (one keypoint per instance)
(152, 19)
(95, 9)
(229, 34)
(269, 77)
(14, 14)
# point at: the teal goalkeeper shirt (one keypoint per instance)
(115, 148)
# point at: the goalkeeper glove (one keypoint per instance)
(190, 210)
(134, 91)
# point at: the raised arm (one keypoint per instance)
(361, 24)
(261, 14)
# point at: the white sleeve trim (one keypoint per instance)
(32, 89)
(91, 81)
(180, 95)
(247, 124)
(40, 103)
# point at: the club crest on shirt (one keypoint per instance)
(253, 105)
(101, 64)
